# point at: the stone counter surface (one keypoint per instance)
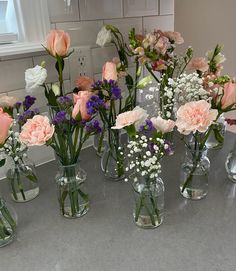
(195, 235)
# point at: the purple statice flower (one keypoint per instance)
(28, 114)
(59, 118)
(28, 102)
(168, 147)
(93, 104)
(93, 127)
(115, 90)
(18, 105)
(64, 101)
(147, 127)
(97, 85)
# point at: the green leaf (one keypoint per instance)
(2, 162)
(144, 82)
(32, 177)
(129, 82)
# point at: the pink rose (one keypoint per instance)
(195, 116)
(5, 124)
(136, 116)
(109, 71)
(8, 101)
(162, 125)
(58, 43)
(84, 83)
(199, 64)
(174, 36)
(80, 100)
(36, 131)
(229, 97)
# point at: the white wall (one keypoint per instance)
(83, 19)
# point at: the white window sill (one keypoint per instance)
(9, 51)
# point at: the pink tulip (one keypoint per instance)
(58, 43)
(80, 100)
(36, 131)
(5, 124)
(84, 83)
(109, 71)
(229, 97)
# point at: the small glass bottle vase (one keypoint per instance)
(112, 161)
(72, 191)
(100, 142)
(22, 178)
(194, 174)
(149, 202)
(230, 164)
(7, 224)
(217, 135)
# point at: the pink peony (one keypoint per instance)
(84, 83)
(174, 36)
(136, 116)
(199, 64)
(8, 101)
(162, 125)
(80, 100)
(36, 131)
(58, 43)
(109, 71)
(5, 124)
(229, 97)
(195, 116)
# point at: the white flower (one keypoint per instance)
(56, 89)
(104, 36)
(34, 77)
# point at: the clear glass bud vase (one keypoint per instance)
(72, 191)
(100, 142)
(217, 135)
(230, 164)
(149, 202)
(112, 162)
(194, 173)
(22, 178)
(7, 224)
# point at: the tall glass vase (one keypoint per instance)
(217, 135)
(22, 178)
(7, 224)
(149, 202)
(230, 164)
(112, 162)
(72, 191)
(194, 173)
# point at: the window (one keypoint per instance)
(8, 22)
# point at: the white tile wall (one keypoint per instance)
(83, 19)
(166, 7)
(140, 7)
(102, 9)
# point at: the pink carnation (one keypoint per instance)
(195, 116)
(36, 131)
(174, 36)
(8, 101)
(162, 125)
(137, 116)
(199, 64)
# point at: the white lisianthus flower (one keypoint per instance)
(104, 36)
(34, 77)
(56, 89)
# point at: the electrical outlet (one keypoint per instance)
(80, 63)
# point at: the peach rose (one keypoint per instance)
(109, 71)
(8, 101)
(5, 124)
(84, 83)
(136, 116)
(229, 96)
(162, 125)
(195, 116)
(174, 36)
(199, 64)
(80, 100)
(36, 131)
(58, 43)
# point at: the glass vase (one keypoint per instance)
(149, 202)
(112, 162)
(99, 142)
(230, 164)
(72, 191)
(194, 173)
(217, 135)
(22, 178)
(7, 224)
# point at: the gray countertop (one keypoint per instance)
(195, 235)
